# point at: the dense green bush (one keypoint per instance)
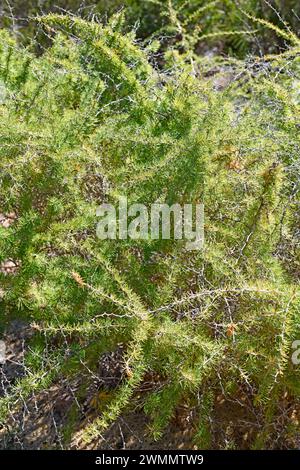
(221, 25)
(91, 119)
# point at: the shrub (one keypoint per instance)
(218, 25)
(91, 119)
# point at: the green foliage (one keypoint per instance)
(91, 119)
(222, 25)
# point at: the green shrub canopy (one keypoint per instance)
(90, 119)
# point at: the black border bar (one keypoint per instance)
(142, 458)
